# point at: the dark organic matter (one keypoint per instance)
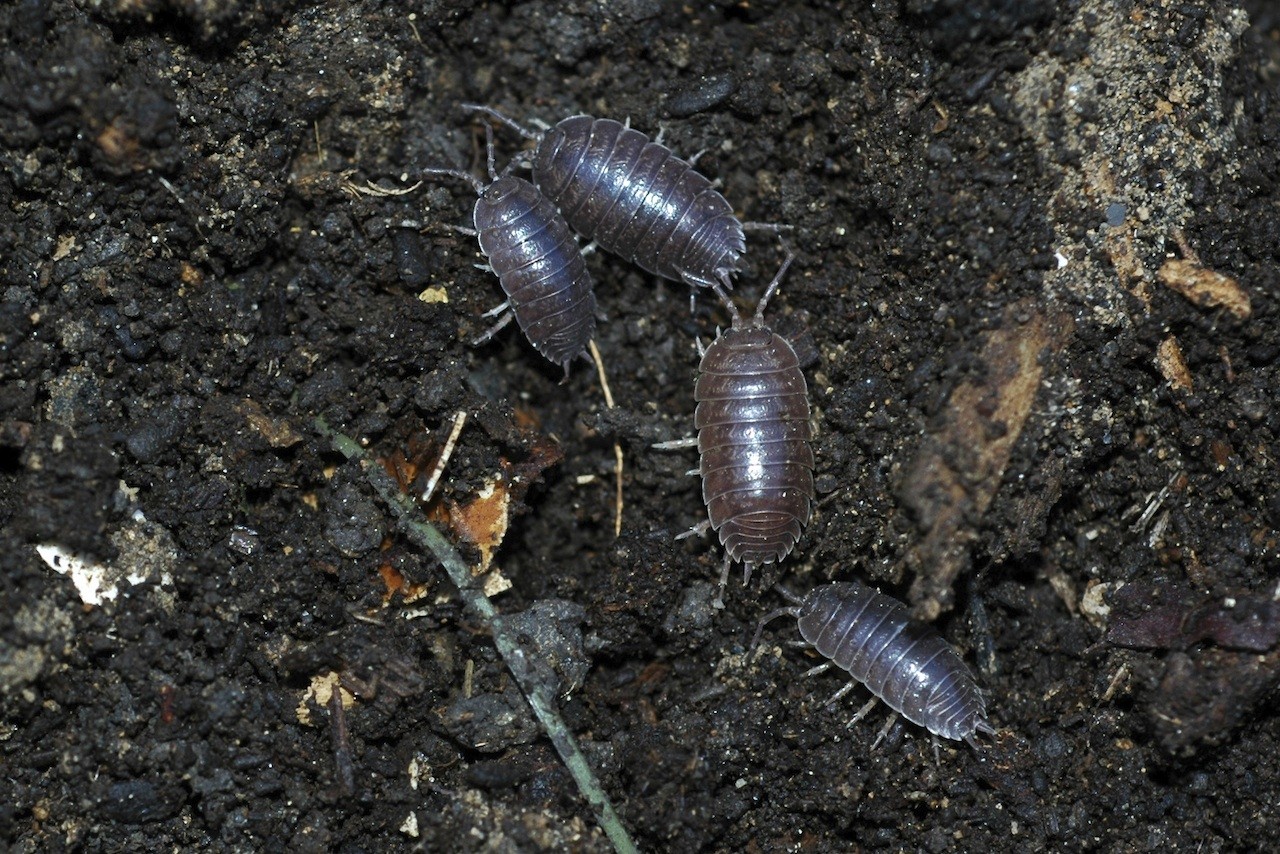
(1016, 395)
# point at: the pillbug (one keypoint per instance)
(635, 198)
(906, 664)
(753, 438)
(537, 261)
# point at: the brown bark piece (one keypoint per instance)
(1172, 366)
(956, 474)
(1204, 287)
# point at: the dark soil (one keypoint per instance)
(1017, 411)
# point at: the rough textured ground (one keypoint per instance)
(1036, 295)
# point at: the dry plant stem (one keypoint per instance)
(426, 535)
(458, 420)
(617, 449)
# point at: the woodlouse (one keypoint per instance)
(753, 438)
(536, 258)
(906, 664)
(637, 199)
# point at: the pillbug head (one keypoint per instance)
(749, 350)
(822, 603)
(503, 202)
(558, 158)
(535, 256)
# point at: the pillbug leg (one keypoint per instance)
(937, 756)
(495, 329)
(498, 309)
(718, 602)
(462, 229)
(693, 161)
(823, 668)
(589, 248)
(485, 267)
(862, 713)
(838, 695)
(676, 445)
(884, 730)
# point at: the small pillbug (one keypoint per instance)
(906, 664)
(635, 198)
(537, 261)
(753, 439)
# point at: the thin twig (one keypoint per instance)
(341, 742)
(458, 420)
(617, 449)
(426, 535)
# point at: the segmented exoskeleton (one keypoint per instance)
(753, 439)
(906, 664)
(635, 198)
(537, 261)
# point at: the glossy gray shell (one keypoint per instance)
(537, 260)
(906, 664)
(753, 439)
(635, 198)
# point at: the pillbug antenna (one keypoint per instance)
(728, 303)
(475, 182)
(499, 117)
(791, 610)
(488, 148)
(777, 280)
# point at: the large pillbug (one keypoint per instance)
(537, 261)
(753, 439)
(906, 664)
(635, 198)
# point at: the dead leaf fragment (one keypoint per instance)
(484, 520)
(278, 432)
(320, 692)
